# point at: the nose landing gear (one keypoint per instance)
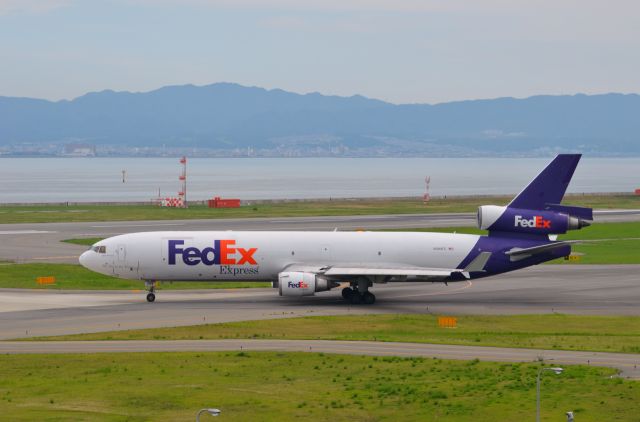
(151, 288)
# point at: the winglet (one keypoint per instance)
(478, 263)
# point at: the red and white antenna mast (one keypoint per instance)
(183, 178)
(426, 197)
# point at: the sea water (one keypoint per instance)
(101, 179)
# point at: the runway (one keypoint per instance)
(627, 364)
(41, 242)
(588, 289)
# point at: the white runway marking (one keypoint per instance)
(311, 220)
(445, 292)
(45, 258)
(25, 232)
(616, 211)
(138, 225)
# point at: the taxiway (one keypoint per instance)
(575, 289)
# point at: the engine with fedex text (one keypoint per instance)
(536, 222)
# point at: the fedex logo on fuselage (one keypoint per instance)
(537, 222)
(298, 285)
(223, 252)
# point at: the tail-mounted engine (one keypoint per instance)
(296, 283)
(555, 219)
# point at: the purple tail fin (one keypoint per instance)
(549, 186)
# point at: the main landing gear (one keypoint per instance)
(151, 288)
(359, 293)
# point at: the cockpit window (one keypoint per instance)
(99, 249)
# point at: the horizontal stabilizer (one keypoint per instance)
(580, 212)
(517, 254)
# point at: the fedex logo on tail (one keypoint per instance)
(223, 252)
(536, 222)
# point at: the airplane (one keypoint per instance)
(520, 234)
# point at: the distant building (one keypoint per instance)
(79, 150)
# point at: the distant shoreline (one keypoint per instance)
(473, 155)
(248, 202)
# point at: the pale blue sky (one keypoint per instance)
(396, 50)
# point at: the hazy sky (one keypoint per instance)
(396, 50)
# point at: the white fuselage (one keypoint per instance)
(262, 255)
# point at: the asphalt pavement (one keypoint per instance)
(593, 290)
(575, 289)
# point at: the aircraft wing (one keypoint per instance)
(393, 271)
(396, 270)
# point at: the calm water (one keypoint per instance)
(100, 179)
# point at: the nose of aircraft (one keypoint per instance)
(85, 259)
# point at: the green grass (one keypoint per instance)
(623, 248)
(70, 276)
(566, 332)
(58, 213)
(299, 386)
(86, 241)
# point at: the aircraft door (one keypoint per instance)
(121, 255)
(119, 259)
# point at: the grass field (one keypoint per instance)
(58, 213)
(70, 276)
(86, 241)
(566, 332)
(297, 386)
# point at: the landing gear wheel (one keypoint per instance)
(151, 288)
(347, 292)
(355, 298)
(369, 298)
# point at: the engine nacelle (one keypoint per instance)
(296, 283)
(515, 220)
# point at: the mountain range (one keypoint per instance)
(225, 116)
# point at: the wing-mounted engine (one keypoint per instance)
(555, 219)
(296, 283)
